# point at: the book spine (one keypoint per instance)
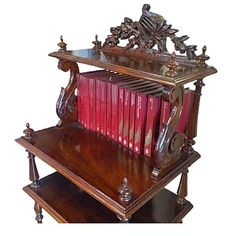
(92, 104)
(151, 134)
(109, 111)
(114, 110)
(188, 97)
(132, 119)
(120, 114)
(140, 119)
(82, 112)
(125, 134)
(103, 107)
(86, 102)
(78, 96)
(98, 105)
(165, 114)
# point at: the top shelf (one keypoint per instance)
(146, 69)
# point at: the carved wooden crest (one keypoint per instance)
(149, 32)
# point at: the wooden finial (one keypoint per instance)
(62, 45)
(28, 132)
(125, 191)
(97, 44)
(201, 59)
(172, 66)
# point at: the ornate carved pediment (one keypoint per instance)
(149, 34)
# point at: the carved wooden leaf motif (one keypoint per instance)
(151, 30)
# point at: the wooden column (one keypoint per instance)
(38, 212)
(191, 129)
(182, 191)
(33, 171)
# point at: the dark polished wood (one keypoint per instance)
(151, 30)
(66, 107)
(182, 191)
(169, 142)
(69, 204)
(98, 166)
(99, 180)
(38, 211)
(191, 129)
(33, 171)
(154, 70)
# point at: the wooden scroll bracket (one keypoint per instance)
(169, 142)
(66, 107)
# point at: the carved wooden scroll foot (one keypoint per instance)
(66, 106)
(182, 191)
(169, 142)
(38, 212)
(123, 219)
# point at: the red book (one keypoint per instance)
(79, 96)
(109, 107)
(152, 123)
(81, 99)
(98, 105)
(140, 119)
(125, 134)
(132, 115)
(127, 101)
(115, 109)
(108, 100)
(103, 99)
(112, 102)
(121, 106)
(165, 114)
(187, 103)
(84, 103)
(92, 92)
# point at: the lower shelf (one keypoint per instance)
(67, 203)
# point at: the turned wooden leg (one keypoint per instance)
(182, 191)
(33, 172)
(38, 212)
(191, 128)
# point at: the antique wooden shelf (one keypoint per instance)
(56, 194)
(100, 168)
(154, 70)
(97, 179)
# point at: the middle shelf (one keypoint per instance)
(98, 165)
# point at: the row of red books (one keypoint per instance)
(126, 109)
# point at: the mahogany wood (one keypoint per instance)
(167, 149)
(191, 129)
(120, 180)
(67, 203)
(66, 107)
(97, 165)
(38, 212)
(154, 70)
(183, 187)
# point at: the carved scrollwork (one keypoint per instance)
(151, 30)
(169, 142)
(66, 106)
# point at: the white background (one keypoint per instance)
(30, 84)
